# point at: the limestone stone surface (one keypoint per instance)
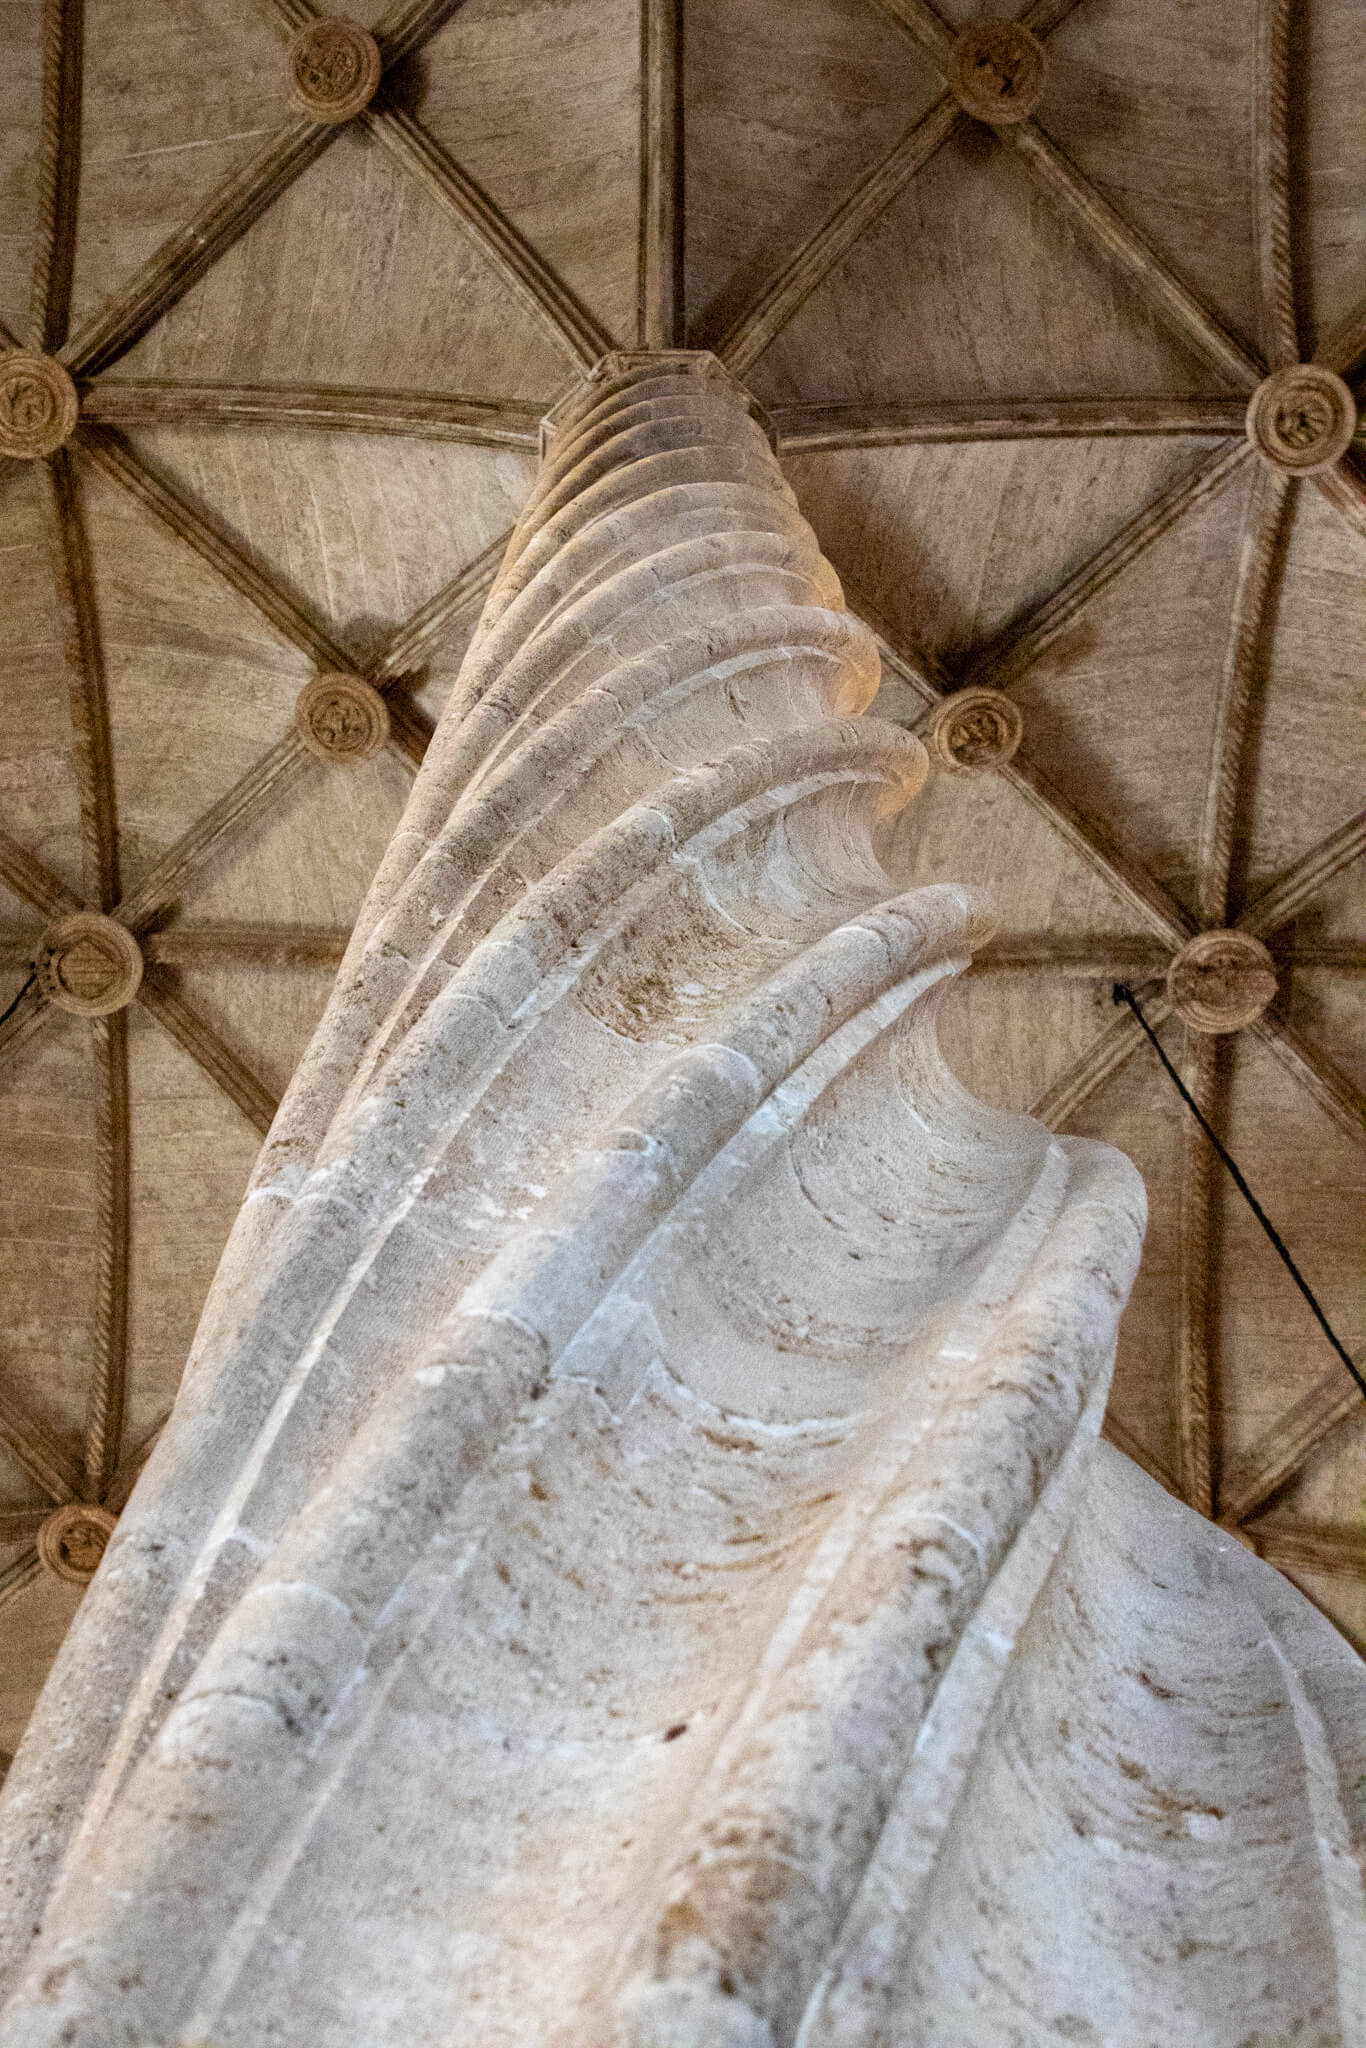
(631, 1562)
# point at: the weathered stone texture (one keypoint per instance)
(630, 1561)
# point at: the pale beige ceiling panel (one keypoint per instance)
(1138, 1109)
(39, 802)
(1312, 736)
(1310, 1176)
(1009, 1033)
(265, 1008)
(1327, 1006)
(981, 829)
(35, 1622)
(1332, 249)
(311, 855)
(198, 683)
(174, 101)
(789, 109)
(1120, 710)
(496, 82)
(360, 529)
(48, 1258)
(355, 276)
(21, 99)
(955, 542)
(972, 285)
(191, 1152)
(1157, 111)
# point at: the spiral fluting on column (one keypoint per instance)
(633, 1334)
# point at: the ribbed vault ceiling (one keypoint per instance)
(1007, 368)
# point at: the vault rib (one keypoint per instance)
(1311, 874)
(431, 415)
(416, 641)
(812, 429)
(58, 167)
(84, 657)
(1316, 1073)
(1072, 1090)
(1124, 1440)
(235, 811)
(1288, 1445)
(34, 883)
(107, 452)
(1343, 348)
(113, 1172)
(1261, 561)
(1295, 1546)
(286, 945)
(184, 1024)
(16, 1576)
(1197, 1330)
(194, 248)
(520, 266)
(660, 314)
(43, 1460)
(1271, 126)
(1131, 255)
(1015, 649)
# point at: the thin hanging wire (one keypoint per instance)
(7, 1014)
(1121, 993)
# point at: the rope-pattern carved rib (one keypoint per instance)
(1259, 568)
(113, 1171)
(1196, 1328)
(58, 168)
(1271, 129)
(89, 695)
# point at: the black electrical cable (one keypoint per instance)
(1121, 993)
(20, 997)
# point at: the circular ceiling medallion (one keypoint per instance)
(72, 1541)
(1301, 418)
(38, 404)
(975, 729)
(341, 717)
(996, 71)
(89, 964)
(334, 67)
(1221, 981)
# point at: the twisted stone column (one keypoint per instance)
(642, 1403)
